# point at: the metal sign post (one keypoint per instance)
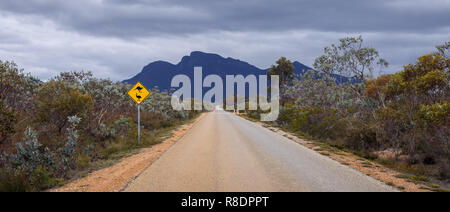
(139, 124)
(138, 93)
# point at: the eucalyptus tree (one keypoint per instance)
(17, 88)
(350, 58)
(285, 70)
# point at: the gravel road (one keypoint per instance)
(224, 152)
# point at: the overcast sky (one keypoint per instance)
(116, 38)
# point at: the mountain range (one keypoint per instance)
(160, 73)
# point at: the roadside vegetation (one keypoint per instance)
(52, 131)
(401, 120)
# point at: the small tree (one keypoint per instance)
(375, 89)
(30, 155)
(425, 82)
(68, 151)
(349, 59)
(285, 70)
(110, 99)
(418, 98)
(16, 88)
(58, 100)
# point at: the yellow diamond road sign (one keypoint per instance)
(138, 93)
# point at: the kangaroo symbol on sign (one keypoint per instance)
(139, 88)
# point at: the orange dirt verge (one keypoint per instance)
(117, 177)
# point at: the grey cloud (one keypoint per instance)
(116, 38)
(143, 18)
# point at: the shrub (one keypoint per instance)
(83, 161)
(109, 98)
(42, 179)
(154, 121)
(105, 132)
(67, 152)
(316, 121)
(361, 136)
(58, 100)
(16, 88)
(122, 125)
(160, 102)
(7, 121)
(376, 89)
(28, 168)
(16, 180)
(416, 116)
(286, 116)
(13, 181)
(435, 114)
(30, 154)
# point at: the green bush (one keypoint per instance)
(41, 179)
(14, 181)
(286, 116)
(20, 181)
(316, 121)
(122, 125)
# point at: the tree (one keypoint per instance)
(375, 88)
(349, 59)
(311, 90)
(110, 100)
(16, 88)
(426, 81)
(418, 100)
(285, 70)
(58, 100)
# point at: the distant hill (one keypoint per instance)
(160, 73)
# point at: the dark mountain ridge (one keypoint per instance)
(160, 73)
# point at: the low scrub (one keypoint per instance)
(56, 129)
